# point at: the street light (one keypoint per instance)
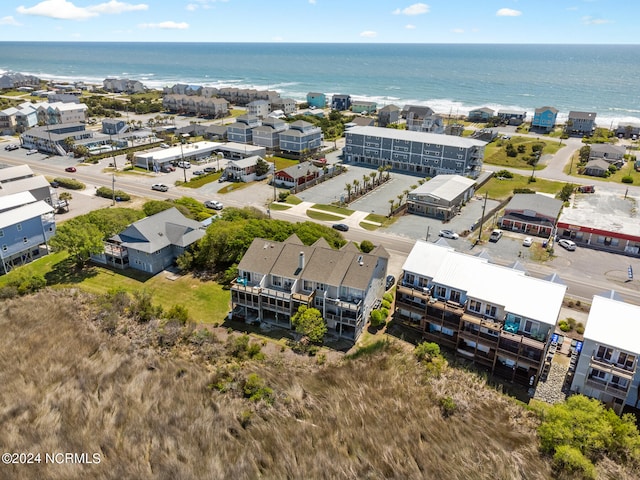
(184, 170)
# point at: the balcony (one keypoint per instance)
(353, 305)
(524, 340)
(418, 293)
(115, 250)
(620, 371)
(303, 297)
(611, 388)
(241, 285)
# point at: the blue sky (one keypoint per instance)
(360, 21)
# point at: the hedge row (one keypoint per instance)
(70, 183)
(108, 193)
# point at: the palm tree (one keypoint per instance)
(387, 168)
(372, 176)
(406, 195)
(380, 170)
(391, 202)
(347, 187)
(356, 185)
(365, 181)
(399, 197)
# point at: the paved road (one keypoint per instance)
(587, 272)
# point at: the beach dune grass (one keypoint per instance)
(502, 189)
(495, 153)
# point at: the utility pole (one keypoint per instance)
(427, 239)
(113, 155)
(184, 170)
(113, 189)
(482, 217)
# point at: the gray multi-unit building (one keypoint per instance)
(428, 154)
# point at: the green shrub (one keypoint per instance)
(384, 312)
(376, 318)
(282, 196)
(255, 389)
(366, 246)
(627, 179)
(504, 174)
(569, 460)
(564, 325)
(388, 297)
(179, 313)
(70, 183)
(385, 304)
(580, 328)
(448, 406)
(254, 351)
(119, 195)
(426, 351)
(572, 322)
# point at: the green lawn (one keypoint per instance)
(199, 181)
(234, 186)
(496, 154)
(279, 206)
(381, 219)
(323, 216)
(333, 209)
(627, 169)
(206, 301)
(282, 162)
(500, 189)
(293, 200)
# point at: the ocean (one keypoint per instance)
(448, 78)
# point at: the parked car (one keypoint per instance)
(390, 281)
(222, 179)
(216, 205)
(164, 145)
(495, 235)
(161, 187)
(209, 169)
(11, 147)
(448, 234)
(198, 172)
(70, 169)
(341, 226)
(54, 184)
(527, 242)
(168, 169)
(32, 151)
(184, 164)
(568, 244)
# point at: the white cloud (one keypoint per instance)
(115, 7)
(409, 26)
(64, 10)
(457, 30)
(9, 21)
(369, 34)
(595, 21)
(191, 7)
(312, 2)
(204, 4)
(571, 9)
(415, 9)
(508, 12)
(169, 25)
(60, 9)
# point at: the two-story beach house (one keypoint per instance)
(341, 102)
(482, 114)
(276, 278)
(387, 115)
(580, 123)
(268, 134)
(301, 137)
(316, 99)
(151, 244)
(26, 225)
(544, 119)
(607, 367)
(441, 197)
(241, 130)
(496, 316)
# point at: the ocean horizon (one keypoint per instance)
(450, 78)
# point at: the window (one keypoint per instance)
(475, 306)
(441, 292)
(621, 382)
(490, 311)
(599, 374)
(321, 286)
(530, 326)
(455, 296)
(276, 281)
(25, 239)
(604, 353)
(409, 278)
(19, 227)
(625, 360)
(1, 233)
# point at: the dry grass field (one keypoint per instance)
(167, 401)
